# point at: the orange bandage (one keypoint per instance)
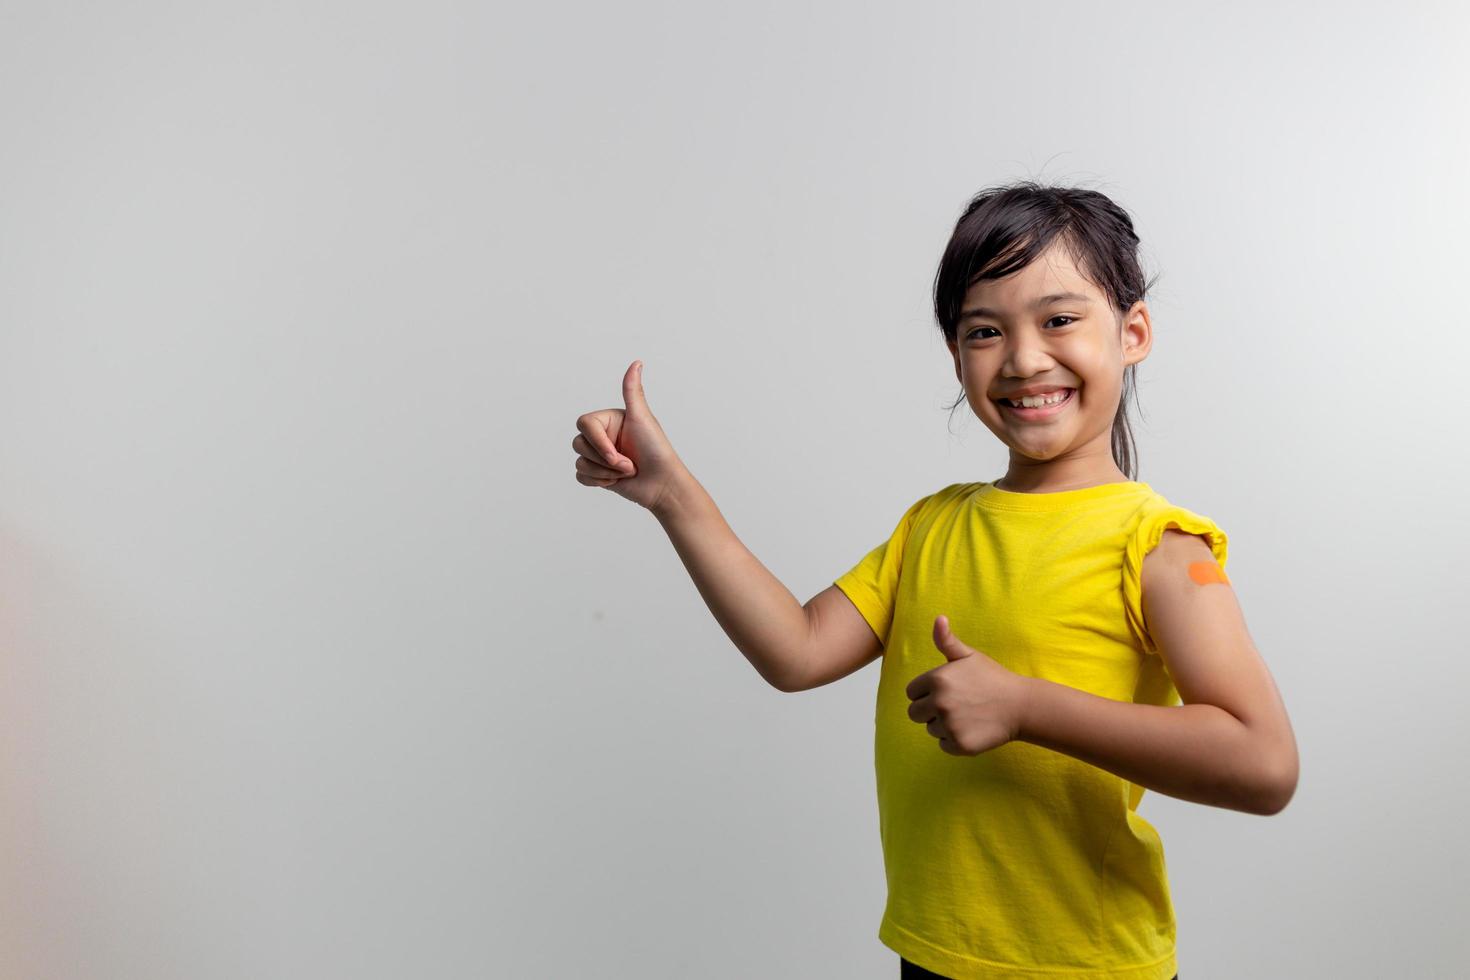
(1206, 572)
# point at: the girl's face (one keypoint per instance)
(1048, 326)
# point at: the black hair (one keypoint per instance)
(1005, 227)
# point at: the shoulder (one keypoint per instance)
(1166, 547)
(919, 511)
(947, 496)
(1165, 531)
(1178, 550)
(1183, 551)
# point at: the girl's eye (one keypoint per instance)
(976, 332)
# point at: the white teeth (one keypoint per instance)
(1037, 401)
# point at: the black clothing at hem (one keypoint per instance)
(912, 971)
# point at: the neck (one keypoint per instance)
(1053, 476)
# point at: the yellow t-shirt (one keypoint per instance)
(1020, 862)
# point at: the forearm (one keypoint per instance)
(760, 615)
(1195, 752)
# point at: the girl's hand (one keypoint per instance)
(971, 703)
(625, 449)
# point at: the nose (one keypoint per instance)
(1025, 357)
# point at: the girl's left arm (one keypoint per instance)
(1230, 744)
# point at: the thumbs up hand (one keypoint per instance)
(970, 703)
(625, 449)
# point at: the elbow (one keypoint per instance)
(790, 676)
(1275, 802)
(1283, 797)
(786, 685)
(1278, 789)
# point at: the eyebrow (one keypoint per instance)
(980, 311)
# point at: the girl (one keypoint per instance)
(1038, 633)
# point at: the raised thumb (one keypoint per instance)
(633, 389)
(947, 642)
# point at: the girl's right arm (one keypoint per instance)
(626, 451)
(801, 647)
(759, 614)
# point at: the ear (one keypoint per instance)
(1136, 333)
(954, 351)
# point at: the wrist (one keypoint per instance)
(673, 502)
(1028, 691)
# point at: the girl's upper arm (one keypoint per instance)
(1197, 624)
(840, 640)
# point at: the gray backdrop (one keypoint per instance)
(318, 662)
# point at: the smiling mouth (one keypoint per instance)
(1040, 412)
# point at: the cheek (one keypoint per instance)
(1099, 374)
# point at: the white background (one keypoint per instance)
(316, 660)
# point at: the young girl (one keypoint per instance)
(1037, 632)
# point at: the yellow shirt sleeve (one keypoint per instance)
(872, 583)
(1150, 529)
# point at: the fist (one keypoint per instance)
(970, 703)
